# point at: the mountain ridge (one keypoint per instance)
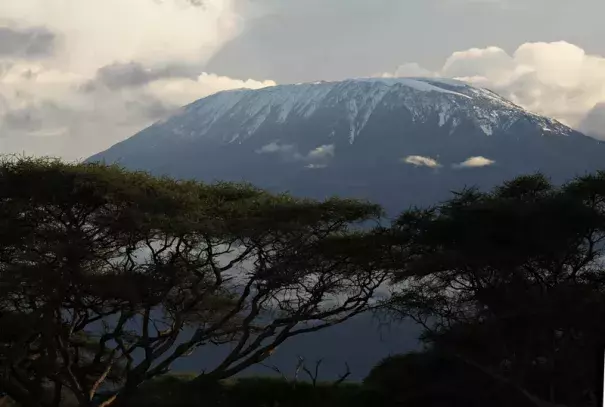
(325, 138)
(357, 99)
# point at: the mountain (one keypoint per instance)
(395, 141)
(352, 138)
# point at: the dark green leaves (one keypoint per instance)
(511, 280)
(113, 275)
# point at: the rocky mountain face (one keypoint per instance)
(395, 141)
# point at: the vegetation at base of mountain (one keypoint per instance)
(108, 276)
(253, 392)
(434, 379)
(510, 283)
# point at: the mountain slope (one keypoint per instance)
(398, 142)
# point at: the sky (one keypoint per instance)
(77, 76)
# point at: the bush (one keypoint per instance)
(176, 391)
(432, 379)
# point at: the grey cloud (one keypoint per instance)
(594, 122)
(46, 117)
(31, 117)
(149, 108)
(133, 74)
(50, 128)
(22, 119)
(30, 123)
(30, 42)
(117, 76)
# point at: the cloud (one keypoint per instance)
(474, 162)
(79, 76)
(490, 62)
(83, 119)
(132, 74)
(98, 33)
(274, 147)
(316, 166)
(420, 161)
(321, 152)
(31, 42)
(594, 122)
(409, 70)
(180, 91)
(317, 157)
(556, 79)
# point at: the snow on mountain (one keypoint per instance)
(453, 101)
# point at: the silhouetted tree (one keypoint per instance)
(109, 276)
(432, 378)
(510, 282)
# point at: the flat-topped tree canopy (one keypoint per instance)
(115, 274)
(509, 283)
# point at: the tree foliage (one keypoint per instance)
(167, 391)
(432, 378)
(510, 282)
(109, 276)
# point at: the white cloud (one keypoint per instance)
(180, 91)
(321, 152)
(96, 33)
(490, 62)
(35, 100)
(316, 158)
(107, 69)
(409, 70)
(420, 161)
(474, 162)
(555, 79)
(274, 147)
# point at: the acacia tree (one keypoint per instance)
(109, 276)
(511, 283)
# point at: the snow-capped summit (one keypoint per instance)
(453, 101)
(353, 136)
(450, 102)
